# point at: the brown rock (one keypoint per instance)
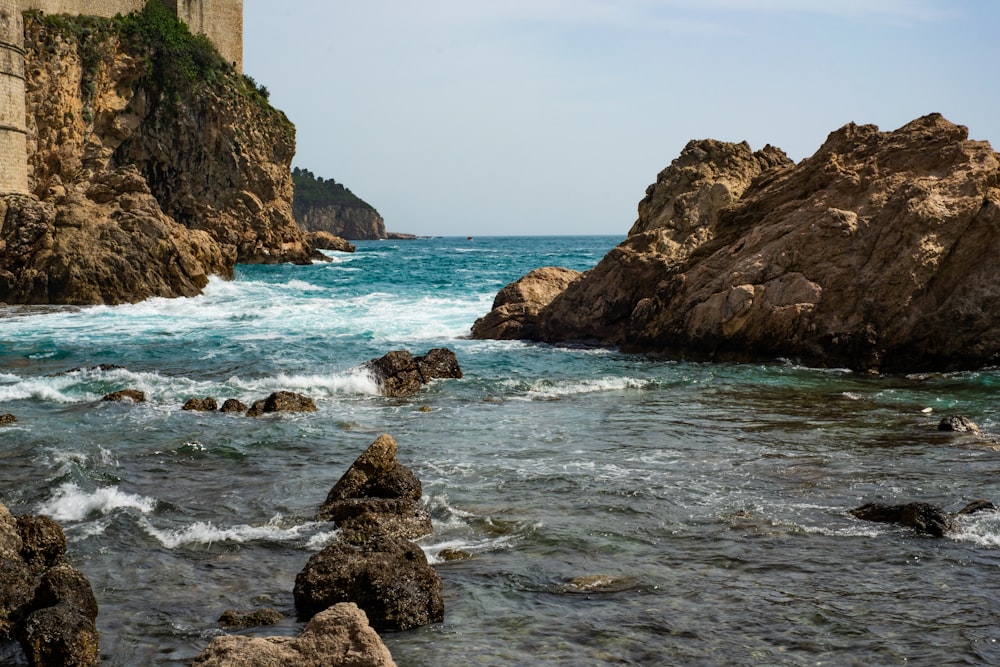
(876, 253)
(327, 241)
(282, 401)
(336, 637)
(43, 542)
(400, 374)
(133, 395)
(207, 404)
(7, 419)
(389, 578)
(958, 424)
(233, 405)
(62, 628)
(516, 307)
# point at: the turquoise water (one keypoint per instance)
(619, 509)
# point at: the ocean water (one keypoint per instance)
(618, 510)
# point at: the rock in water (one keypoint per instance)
(400, 374)
(336, 637)
(516, 307)
(388, 577)
(876, 253)
(958, 424)
(133, 395)
(282, 401)
(327, 241)
(922, 517)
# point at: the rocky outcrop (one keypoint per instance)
(388, 577)
(357, 223)
(327, 241)
(141, 191)
(516, 307)
(876, 253)
(400, 374)
(377, 494)
(336, 637)
(282, 401)
(46, 605)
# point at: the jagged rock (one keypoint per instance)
(876, 253)
(240, 620)
(376, 495)
(388, 577)
(233, 405)
(46, 604)
(7, 419)
(133, 395)
(207, 404)
(958, 424)
(922, 517)
(399, 373)
(141, 193)
(336, 637)
(516, 307)
(282, 401)
(327, 241)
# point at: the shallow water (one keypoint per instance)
(619, 509)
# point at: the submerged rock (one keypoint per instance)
(233, 405)
(958, 424)
(922, 517)
(400, 374)
(339, 636)
(240, 620)
(876, 253)
(133, 395)
(388, 577)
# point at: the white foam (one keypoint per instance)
(982, 528)
(70, 503)
(549, 389)
(205, 532)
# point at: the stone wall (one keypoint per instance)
(13, 135)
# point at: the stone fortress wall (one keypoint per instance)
(220, 20)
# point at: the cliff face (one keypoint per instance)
(876, 253)
(144, 190)
(349, 222)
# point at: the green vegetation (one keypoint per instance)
(312, 192)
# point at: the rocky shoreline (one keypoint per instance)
(875, 254)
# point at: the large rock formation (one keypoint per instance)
(148, 182)
(337, 637)
(517, 306)
(876, 253)
(323, 205)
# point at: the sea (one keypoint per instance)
(613, 509)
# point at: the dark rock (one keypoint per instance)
(958, 424)
(240, 620)
(233, 405)
(922, 517)
(133, 395)
(369, 471)
(389, 578)
(399, 373)
(62, 628)
(363, 519)
(43, 542)
(282, 401)
(336, 637)
(977, 506)
(17, 588)
(7, 419)
(207, 404)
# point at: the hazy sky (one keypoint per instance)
(477, 117)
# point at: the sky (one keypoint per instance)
(539, 117)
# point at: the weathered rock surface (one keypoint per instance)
(516, 307)
(399, 373)
(282, 401)
(357, 223)
(240, 620)
(233, 405)
(958, 424)
(387, 577)
(46, 605)
(142, 193)
(207, 404)
(327, 241)
(876, 253)
(133, 395)
(336, 637)
(377, 495)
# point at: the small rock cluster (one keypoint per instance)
(279, 401)
(46, 604)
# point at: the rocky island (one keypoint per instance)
(878, 253)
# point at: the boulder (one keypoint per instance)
(388, 577)
(240, 620)
(516, 307)
(233, 405)
(958, 424)
(327, 241)
(282, 401)
(339, 636)
(377, 494)
(922, 517)
(43, 542)
(400, 374)
(207, 404)
(7, 419)
(876, 254)
(133, 395)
